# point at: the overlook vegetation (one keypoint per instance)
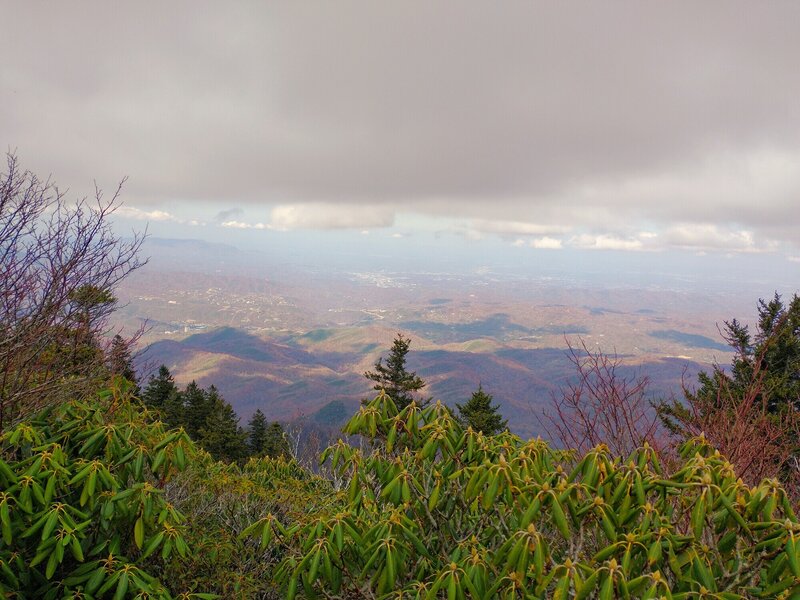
(112, 490)
(101, 500)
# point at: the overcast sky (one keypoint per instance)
(630, 126)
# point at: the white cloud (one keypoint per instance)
(793, 259)
(519, 243)
(547, 243)
(330, 216)
(711, 237)
(131, 212)
(244, 225)
(700, 238)
(605, 242)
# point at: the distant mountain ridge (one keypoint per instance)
(288, 380)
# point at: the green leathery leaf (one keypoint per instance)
(138, 532)
(559, 517)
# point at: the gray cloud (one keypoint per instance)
(558, 115)
(228, 214)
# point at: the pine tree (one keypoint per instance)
(257, 433)
(204, 414)
(89, 304)
(777, 346)
(481, 415)
(393, 377)
(275, 443)
(158, 389)
(173, 410)
(79, 350)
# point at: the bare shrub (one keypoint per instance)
(602, 407)
(740, 421)
(59, 263)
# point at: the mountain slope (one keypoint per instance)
(287, 380)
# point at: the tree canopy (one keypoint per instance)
(257, 433)
(205, 415)
(770, 359)
(266, 439)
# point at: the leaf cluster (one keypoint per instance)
(82, 511)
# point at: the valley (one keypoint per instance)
(295, 341)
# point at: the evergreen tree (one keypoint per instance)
(120, 361)
(159, 388)
(777, 346)
(220, 434)
(162, 394)
(173, 410)
(257, 433)
(393, 377)
(769, 359)
(275, 443)
(88, 304)
(77, 347)
(481, 415)
(196, 408)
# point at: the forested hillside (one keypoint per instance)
(289, 379)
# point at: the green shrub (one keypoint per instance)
(220, 501)
(435, 511)
(100, 500)
(82, 509)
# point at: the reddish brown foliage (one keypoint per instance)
(740, 423)
(603, 407)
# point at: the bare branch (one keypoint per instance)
(53, 255)
(602, 407)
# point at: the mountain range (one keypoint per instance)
(303, 377)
